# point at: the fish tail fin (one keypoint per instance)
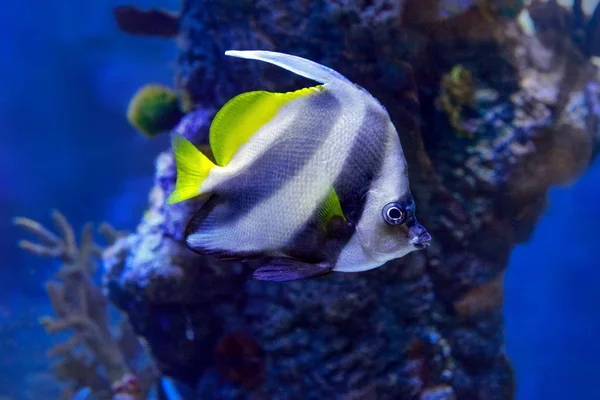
(298, 65)
(192, 169)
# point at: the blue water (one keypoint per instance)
(552, 292)
(67, 75)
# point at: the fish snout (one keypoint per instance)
(418, 236)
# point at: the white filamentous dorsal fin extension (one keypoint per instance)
(298, 65)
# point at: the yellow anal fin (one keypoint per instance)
(329, 208)
(242, 116)
(192, 169)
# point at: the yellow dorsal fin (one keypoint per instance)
(330, 208)
(192, 169)
(242, 116)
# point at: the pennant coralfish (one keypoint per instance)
(310, 181)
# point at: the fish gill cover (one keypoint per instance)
(495, 102)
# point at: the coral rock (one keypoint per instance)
(426, 325)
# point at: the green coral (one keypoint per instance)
(154, 109)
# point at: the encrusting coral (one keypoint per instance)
(111, 366)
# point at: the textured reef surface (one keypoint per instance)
(494, 105)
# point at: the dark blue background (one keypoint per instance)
(67, 74)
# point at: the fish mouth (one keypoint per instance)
(419, 237)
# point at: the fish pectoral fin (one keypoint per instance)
(192, 169)
(284, 269)
(298, 65)
(329, 208)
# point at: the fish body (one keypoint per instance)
(310, 181)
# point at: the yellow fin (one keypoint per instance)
(242, 116)
(192, 169)
(330, 208)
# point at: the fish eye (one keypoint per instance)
(394, 213)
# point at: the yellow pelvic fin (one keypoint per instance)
(330, 208)
(192, 169)
(242, 116)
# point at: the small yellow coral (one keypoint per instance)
(459, 83)
(456, 92)
(154, 109)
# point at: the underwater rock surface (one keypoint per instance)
(502, 113)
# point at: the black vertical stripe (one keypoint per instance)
(363, 164)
